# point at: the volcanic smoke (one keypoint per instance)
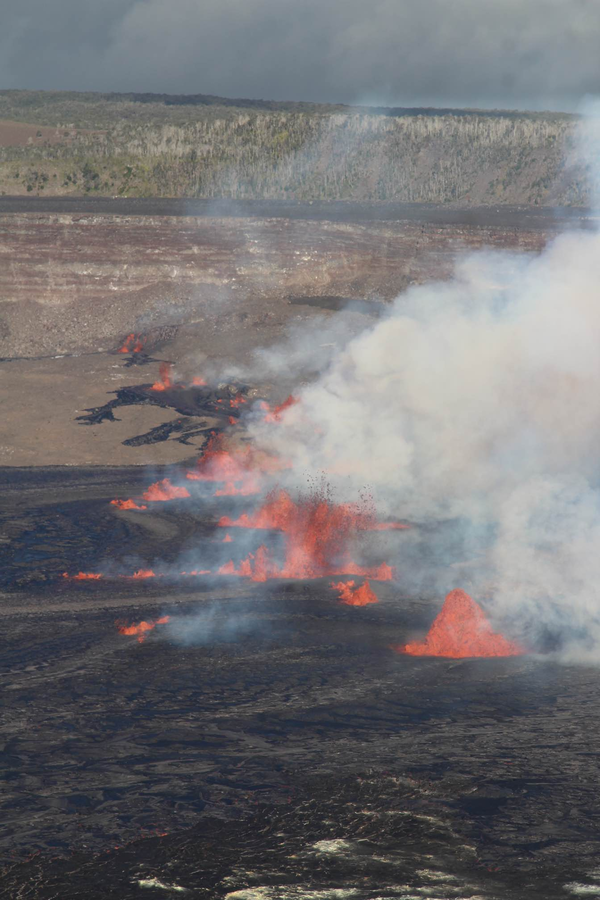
(461, 630)
(474, 403)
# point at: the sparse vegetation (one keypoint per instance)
(154, 145)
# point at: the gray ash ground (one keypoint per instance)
(266, 743)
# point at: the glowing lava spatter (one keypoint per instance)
(318, 535)
(164, 372)
(142, 573)
(83, 576)
(257, 566)
(161, 491)
(240, 469)
(141, 629)
(132, 344)
(461, 630)
(274, 415)
(317, 532)
(126, 504)
(355, 596)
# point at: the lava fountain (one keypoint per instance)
(461, 630)
(318, 535)
(239, 469)
(355, 596)
(133, 343)
(164, 373)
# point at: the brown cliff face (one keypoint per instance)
(82, 282)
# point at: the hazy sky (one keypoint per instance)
(493, 53)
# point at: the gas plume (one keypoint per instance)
(475, 403)
(216, 623)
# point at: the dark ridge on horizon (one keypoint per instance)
(31, 98)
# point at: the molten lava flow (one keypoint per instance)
(249, 486)
(197, 572)
(164, 371)
(142, 573)
(237, 401)
(353, 596)
(83, 576)
(461, 630)
(317, 535)
(132, 344)
(239, 469)
(227, 539)
(163, 490)
(277, 513)
(142, 628)
(197, 381)
(126, 504)
(274, 415)
(257, 566)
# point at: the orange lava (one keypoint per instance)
(274, 415)
(237, 401)
(197, 381)
(239, 469)
(227, 539)
(142, 573)
(132, 344)
(161, 491)
(142, 628)
(164, 371)
(126, 504)
(318, 534)
(197, 572)
(257, 566)
(83, 576)
(461, 630)
(353, 596)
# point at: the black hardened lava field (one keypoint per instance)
(208, 690)
(267, 741)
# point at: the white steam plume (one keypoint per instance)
(478, 401)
